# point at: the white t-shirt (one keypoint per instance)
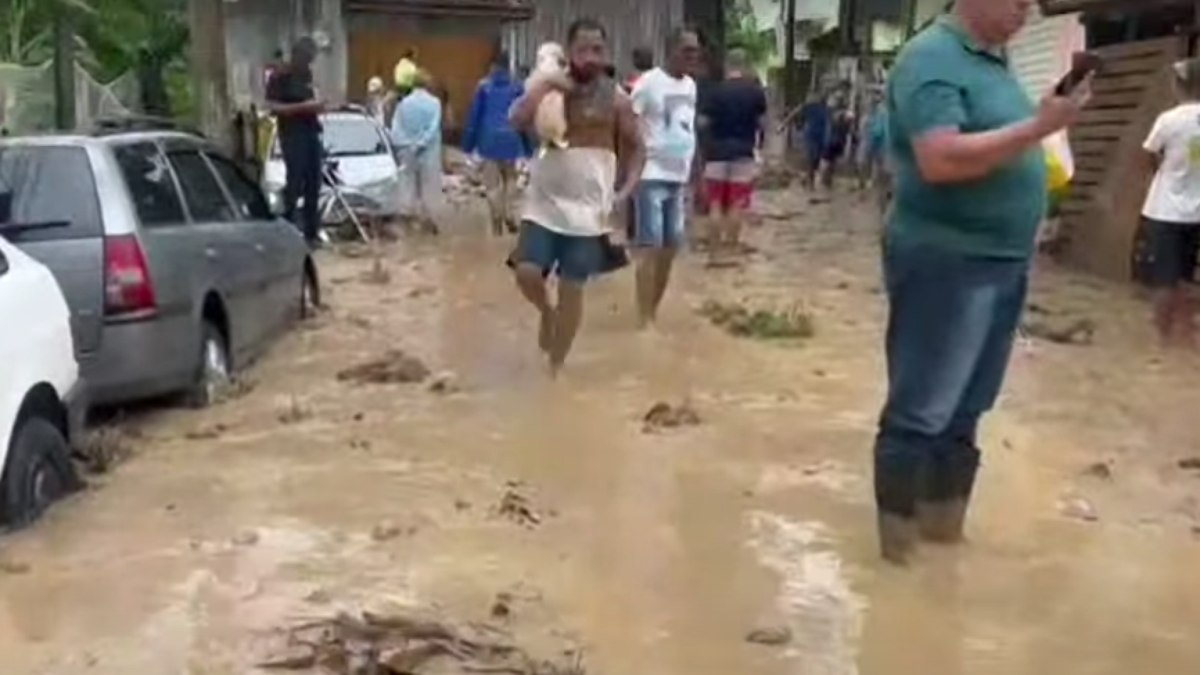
(667, 108)
(1175, 193)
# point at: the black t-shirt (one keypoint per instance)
(293, 86)
(733, 108)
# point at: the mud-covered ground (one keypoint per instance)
(651, 551)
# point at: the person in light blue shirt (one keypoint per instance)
(417, 135)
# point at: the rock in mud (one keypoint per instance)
(1078, 508)
(1101, 470)
(394, 367)
(318, 596)
(1190, 464)
(666, 416)
(502, 606)
(772, 636)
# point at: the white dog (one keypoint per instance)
(551, 119)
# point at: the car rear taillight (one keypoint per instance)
(128, 291)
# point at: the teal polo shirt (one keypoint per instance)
(941, 79)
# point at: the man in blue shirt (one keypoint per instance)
(491, 136)
(814, 126)
(970, 194)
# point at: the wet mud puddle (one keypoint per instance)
(694, 500)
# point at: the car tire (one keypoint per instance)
(38, 472)
(213, 373)
(310, 293)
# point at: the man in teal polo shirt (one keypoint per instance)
(970, 194)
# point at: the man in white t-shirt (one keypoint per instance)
(665, 102)
(1172, 210)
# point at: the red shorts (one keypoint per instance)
(730, 185)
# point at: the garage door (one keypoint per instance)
(456, 62)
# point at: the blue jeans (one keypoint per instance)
(659, 214)
(950, 335)
(573, 258)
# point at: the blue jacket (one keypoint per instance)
(488, 132)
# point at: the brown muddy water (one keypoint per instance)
(654, 553)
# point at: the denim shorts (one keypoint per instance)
(572, 258)
(1167, 254)
(659, 208)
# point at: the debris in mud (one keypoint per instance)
(404, 645)
(1101, 470)
(666, 416)
(792, 323)
(462, 505)
(395, 367)
(1078, 508)
(14, 567)
(775, 177)
(208, 433)
(445, 383)
(318, 596)
(360, 444)
(1081, 332)
(353, 250)
(502, 606)
(103, 448)
(378, 275)
(774, 636)
(421, 291)
(294, 411)
(236, 389)
(1190, 464)
(359, 321)
(246, 538)
(515, 506)
(386, 530)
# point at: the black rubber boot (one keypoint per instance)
(896, 486)
(946, 488)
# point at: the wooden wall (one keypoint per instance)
(1102, 215)
(630, 24)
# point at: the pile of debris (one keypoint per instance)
(791, 323)
(394, 367)
(666, 416)
(401, 645)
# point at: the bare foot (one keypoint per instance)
(546, 330)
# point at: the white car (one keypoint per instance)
(42, 406)
(360, 151)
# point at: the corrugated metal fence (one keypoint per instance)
(630, 24)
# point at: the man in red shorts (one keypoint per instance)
(735, 117)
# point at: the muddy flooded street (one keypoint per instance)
(729, 532)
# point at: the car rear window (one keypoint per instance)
(150, 184)
(52, 191)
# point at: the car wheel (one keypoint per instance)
(38, 472)
(310, 294)
(214, 372)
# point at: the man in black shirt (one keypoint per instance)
(290, 96)
(734, 116)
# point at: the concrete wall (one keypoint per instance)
(254, 29)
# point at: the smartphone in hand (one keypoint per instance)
(1083, 64)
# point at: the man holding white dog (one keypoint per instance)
(565, 222)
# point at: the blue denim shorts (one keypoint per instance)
(659, 214)
(572, 258)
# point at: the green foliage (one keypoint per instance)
(792, 323)
(742, 32)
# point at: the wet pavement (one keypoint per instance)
(654, 551)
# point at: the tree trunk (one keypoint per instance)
(207, 21)
(64, 71)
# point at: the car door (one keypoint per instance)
(235, 267)
(278, 242)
